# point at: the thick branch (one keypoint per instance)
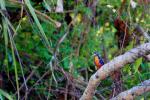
(113, 65)
(133, 92)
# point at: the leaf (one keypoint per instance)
(42, 33)
(137, 65)
(3, 93)
(66, 63)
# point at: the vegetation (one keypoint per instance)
(47, 46)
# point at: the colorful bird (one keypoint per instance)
(98, 60)
(116, 75)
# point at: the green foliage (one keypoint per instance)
(137, 64)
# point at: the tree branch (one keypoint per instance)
(114, 65)
(148, 57)
(141, 31)
(133, 92)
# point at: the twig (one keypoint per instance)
(52, 69)
(112, 66)
(29, 76)
(66, 91)
(36, 83)
(57, 24)
(124, 38)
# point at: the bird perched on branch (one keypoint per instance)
(98, 60)
(116, 75)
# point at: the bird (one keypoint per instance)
(116, 75)
(98, 60)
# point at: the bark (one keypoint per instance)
(134, 92)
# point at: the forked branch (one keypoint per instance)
(114, 65)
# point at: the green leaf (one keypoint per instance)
(42, 33)
(137, 64)
(3, 93)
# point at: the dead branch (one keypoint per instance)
(141, 31)
(112, 66)
(133, 92)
